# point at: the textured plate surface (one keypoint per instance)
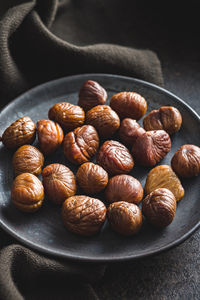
(44, 231)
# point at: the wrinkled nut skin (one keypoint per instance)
(159, 207)
(129, 131)
(151, 147)
(27, 192)
(28, 159)
(129, 105)
(91, 94)
(83, 215)
(50, 136)
(59, 183)
(186, 161)
(91, 178)
(19, 133)
(124, 217)
(81, 145)
(69, 116)
(167, 118)
(115, 158)
(104, 119)
(163, 177)
(124, 188)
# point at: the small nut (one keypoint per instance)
(167, 118)
(81, 145)
(50, 136)
(59, 183)
(104, 119)
(83, 215)
(27, 192)
(163, 177)
(91, 94)
(124, 217)
(124, 188)
(129, 131)
(151, 147)
(91, 178)
(115, 158)
(186, 161)
(69, 116)
(28, 159)
(19, 133)
(129, 105)
(159, 207)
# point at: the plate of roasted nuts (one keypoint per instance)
(99, 168)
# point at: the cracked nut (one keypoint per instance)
(186, 161)
(163, 177)
(159, 207)
(129, 131)
(83, 215)
(27, 192)
(91, 178)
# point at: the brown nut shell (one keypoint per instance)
(59, 183)
(159, 207)
(27, 192)
(28, 159)
(186, 161)
(83, 215)
(124, 217)
(104, 119)
(19, 133)
(81, 145)
(91, 94)
(69, 116)
(115, 158)
(129, 131)
(91, 178)
(50, 136)
(124, 188)
(163, 177)
(129, 105)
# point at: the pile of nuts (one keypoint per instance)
(81, 129)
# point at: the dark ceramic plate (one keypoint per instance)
(44, 230)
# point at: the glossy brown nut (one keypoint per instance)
(124, 217)
(129, 131)
(115, 158)
(186, 161)
(151, 147)
(163, 177)
(159, 207)
(19, 133)
(81, 145)
(69, 116)
(59, 183)
(27, 192)
(50, 136)
(129, 105)
(104, 119)
(28, 159)
(124, 188)
(83, 215)
(167, 118)
(91, 94)
(91, 178)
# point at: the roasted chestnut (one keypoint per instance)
(115, 158)
(81, 145)
(28, 159)
(159, 207)
(124, 217)
(129, 131)
(91, 178)
(83, 215)
(186, 161)
(59, 183)
(27, 192)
